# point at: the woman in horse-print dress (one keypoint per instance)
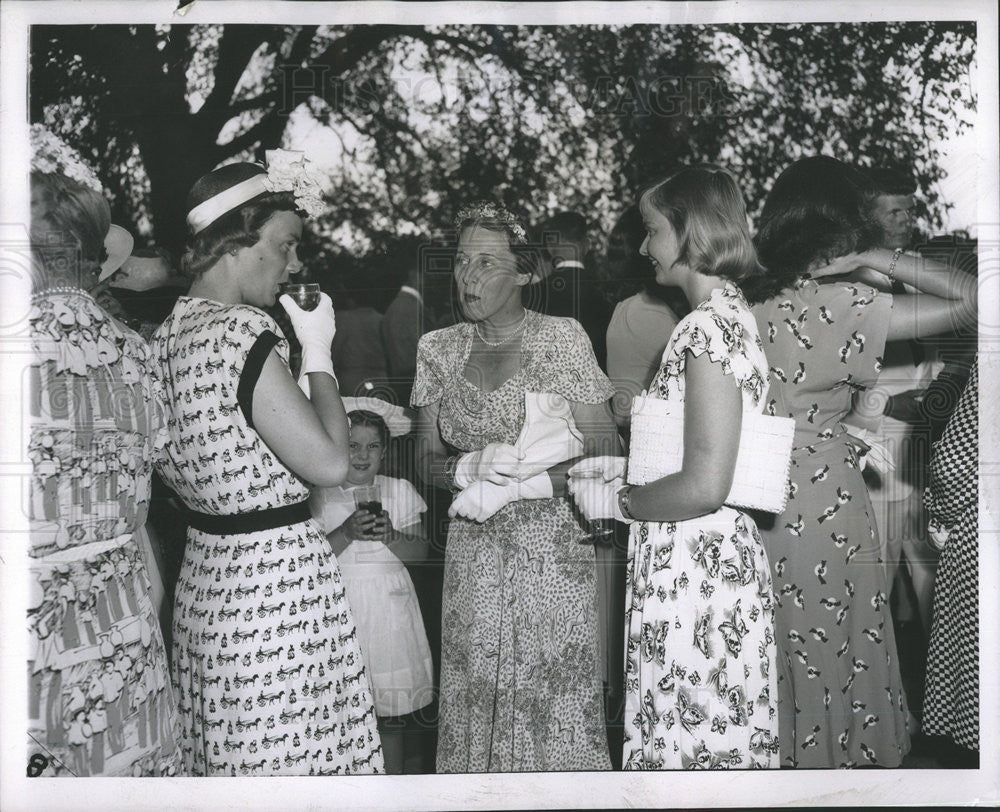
(267, 665)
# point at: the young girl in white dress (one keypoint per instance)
(370, 550)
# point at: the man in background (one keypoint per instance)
(403, 321)
(894, 207)
(890, 415)
(571, 285)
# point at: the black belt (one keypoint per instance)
(266, 519)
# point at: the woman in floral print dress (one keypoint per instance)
(520, 672)
(699, 675)
(841, 702)
(267, 662)
(99, 699)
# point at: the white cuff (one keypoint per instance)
(537, 487)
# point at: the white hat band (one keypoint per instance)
(208, 211)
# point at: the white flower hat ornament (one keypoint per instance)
(287, 171)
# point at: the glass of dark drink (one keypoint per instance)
(305, 294)
(599, 531)
(368, 498)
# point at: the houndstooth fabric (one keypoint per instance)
(951, 704)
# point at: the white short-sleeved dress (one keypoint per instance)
(383, 599)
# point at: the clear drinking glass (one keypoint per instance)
(369, 498)
(599, 531)
(305, 294)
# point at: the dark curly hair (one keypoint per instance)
(238, 228)
(363, 417)
(818, 209)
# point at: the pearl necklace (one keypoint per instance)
(503, 341)
(60, 289)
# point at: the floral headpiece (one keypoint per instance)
(51, 155)
(286, 172)
(489, 210)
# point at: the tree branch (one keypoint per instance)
(344, 53)
(247, 139)
(237, 45)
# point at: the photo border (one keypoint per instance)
(511, 791)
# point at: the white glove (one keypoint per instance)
(597, 499)
(497, 463)
(594, 484)
(315, 330)
(480, 500)
(606, 468)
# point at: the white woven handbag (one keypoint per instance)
(760, 480)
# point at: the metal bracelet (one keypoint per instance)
(892, 265)
(450, 465)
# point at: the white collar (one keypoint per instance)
(412, 291)
(570, 263)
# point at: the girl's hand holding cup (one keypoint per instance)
(381, 528)
(359, 525)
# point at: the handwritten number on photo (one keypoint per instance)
(36, 765)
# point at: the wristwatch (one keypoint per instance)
(624, 495)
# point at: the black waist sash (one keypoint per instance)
(251, 522)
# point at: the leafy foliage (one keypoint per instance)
(419, 119)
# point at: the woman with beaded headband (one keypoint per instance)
(520, 672)
(99, 699)
(267, 666)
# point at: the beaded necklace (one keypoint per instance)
(502, 341)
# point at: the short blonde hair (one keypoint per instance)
(706, 209)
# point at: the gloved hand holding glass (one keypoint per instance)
(315, 330)
(594, 484)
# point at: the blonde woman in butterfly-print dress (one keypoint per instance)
(699, 678)
(841, 700)
(267, 664)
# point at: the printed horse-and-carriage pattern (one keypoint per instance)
(99, 699)
(267, 664)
